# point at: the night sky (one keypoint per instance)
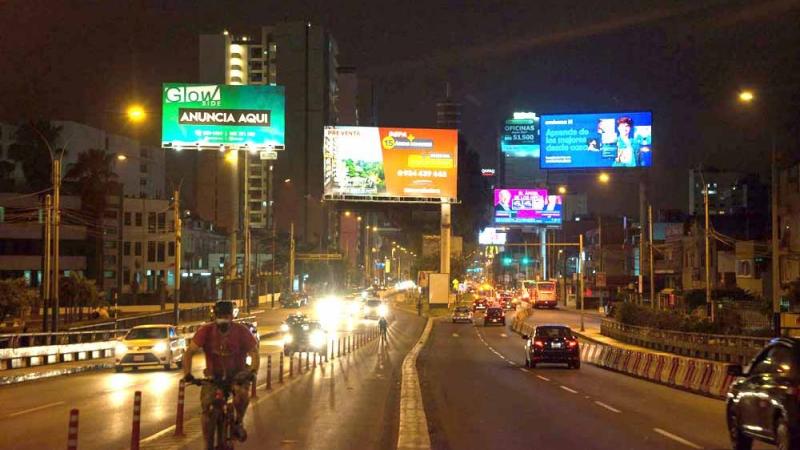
(685, 61)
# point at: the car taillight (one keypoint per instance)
(572, 344)
(538, 343)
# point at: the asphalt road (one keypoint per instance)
(478, 395)
(34, 415)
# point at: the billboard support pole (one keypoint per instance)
(246, 235)
(543, 251)
(642, 222)
(444, 251)
(580, 275)
(291, 257)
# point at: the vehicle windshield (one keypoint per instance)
(373, 303)
(147, 333)
(494, 311)
(547, 286)
(462, 309)
(553, 332)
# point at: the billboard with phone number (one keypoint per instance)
(220, 115)
(526, 207)
(605, 140)
(390, 164)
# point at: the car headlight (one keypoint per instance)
(317, 339)
(284, 328)
(160, 347)
(120, 349)
(383, 310)
(288, 339)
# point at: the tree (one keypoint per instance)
(15, 296)
(32, 144)
(78, 293)
(94, 176)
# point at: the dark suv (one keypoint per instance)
(552, 344)
(763, 402)
(494, 316)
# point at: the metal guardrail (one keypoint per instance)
(18, 340)
(197, 314)
(718, 347)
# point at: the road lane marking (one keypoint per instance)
(608, 407)
(676, 438)
(455, 334)
(158, 434)
(503, 335)
(37, 408)
(568, 389)
(542, 378)
(524, 369)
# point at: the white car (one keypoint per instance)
(150, 345)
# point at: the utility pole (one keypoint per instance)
(650, 247)
(272, 277)
(56, 241)
(291, 257)
(48, 253)
(709, 300)
(580, 275)
(246, 272)
(775, 265)
(178, 253)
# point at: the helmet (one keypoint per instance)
(223, 308)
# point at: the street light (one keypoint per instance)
(122, 157)
(603, 177)
(746, 96)
(136, 113)
(288, 180)
(562, 190)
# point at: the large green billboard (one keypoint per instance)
(214, 115)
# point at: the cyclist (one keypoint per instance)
(382, 323)
(227, 345)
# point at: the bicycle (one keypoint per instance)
(222, 414)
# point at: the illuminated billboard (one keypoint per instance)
(526, 207)
(390, 164)
(491, 236)
(219, 115)
(608, 140)
(521, 135)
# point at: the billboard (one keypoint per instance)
(526, 207)
(214, 115)
(390, 164)
(607, 140)
(521, 135)
(491, 236)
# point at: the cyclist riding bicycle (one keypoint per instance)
(383, 324)
(227, 345)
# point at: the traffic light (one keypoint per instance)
(507, 260)
(525, 260)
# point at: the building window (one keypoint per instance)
(171, 226)
(126, 276)
(110, 214)
(110, 274)
(109, 260)
(144, 153)
(127, 219)
(138, 219)
(126, 248)
(151, 222)
(109, 244)
(151, 251)
(143, 167)
(744, 268)
(143, 182)
(160, 252)
(171, 248)
(162, 222)
(137, 249)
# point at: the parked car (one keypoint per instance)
(494, 316)
(150, 345)
(763, 402)
(462, 314)
(552, 344)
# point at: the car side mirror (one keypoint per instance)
(735, 370)
(525, 337)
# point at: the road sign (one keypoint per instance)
(268, 154)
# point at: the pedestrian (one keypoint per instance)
(419, 306)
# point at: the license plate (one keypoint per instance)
(557, 344)
(138, 357)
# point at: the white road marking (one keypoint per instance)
(569, 389)
(158, 435)
(524, 369)
(455, 334)
(676, 438)
(608, 407)
(37, 408)
(503, 335)
(542, 378)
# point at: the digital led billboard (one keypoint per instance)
(214, 115)
(520, 135)
(390, 164)
(491, 236)
(607, 140)
(526, 207)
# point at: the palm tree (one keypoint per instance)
(30, 147)
(94, 178)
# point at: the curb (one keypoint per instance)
(8, 380)
(413, 428)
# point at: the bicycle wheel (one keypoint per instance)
(221, 440)
(212, 431)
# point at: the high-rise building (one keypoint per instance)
(729, 193)
(302, 58)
